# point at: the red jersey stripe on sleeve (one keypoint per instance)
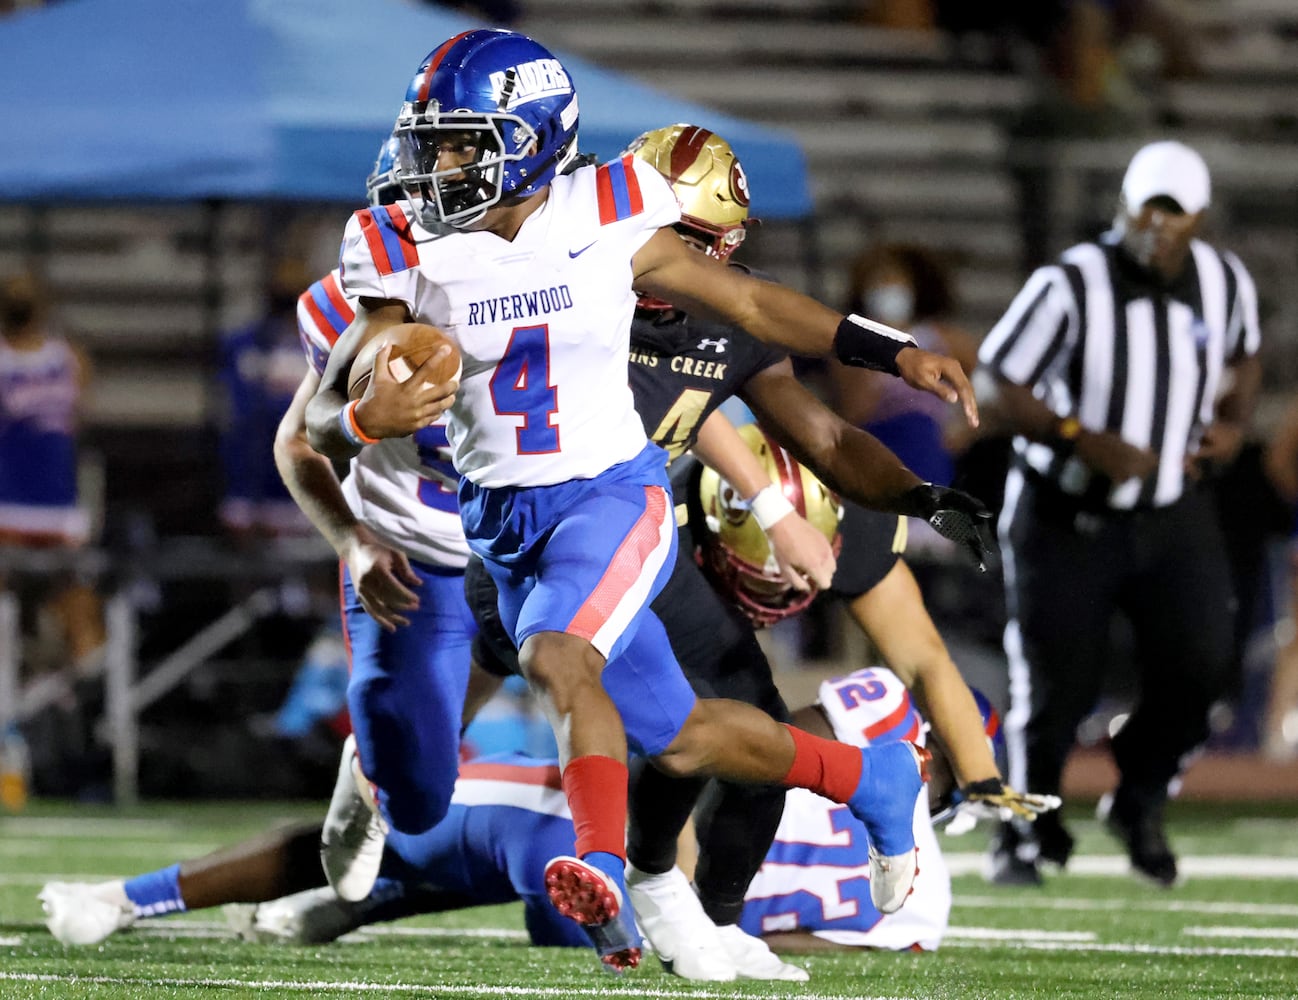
(618, 191)
(633, 185)
(338, 299)
(401, 224)
(604, 194)
(374, 238)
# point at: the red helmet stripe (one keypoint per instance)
(686, 151)
(790, 481)
(435, 60)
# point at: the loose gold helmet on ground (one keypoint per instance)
(709, 182)
(735, 552)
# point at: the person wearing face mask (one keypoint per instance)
(1127, 371)
(43, 379)
(907, 287)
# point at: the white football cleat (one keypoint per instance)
(673, 922)
(315, 916)
(892, 879)
(351, 843)
(754, 959)
(78, 913)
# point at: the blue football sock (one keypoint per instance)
(156, 893)
(611, 865)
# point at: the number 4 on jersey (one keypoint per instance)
(520, 386)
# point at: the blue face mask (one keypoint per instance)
(893, 304)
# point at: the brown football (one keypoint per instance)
(412, 345)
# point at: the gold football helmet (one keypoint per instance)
(709, 182)
(735, 552)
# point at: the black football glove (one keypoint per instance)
(960, 517)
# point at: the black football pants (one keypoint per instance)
(1067, 573)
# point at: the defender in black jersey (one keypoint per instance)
(682, 368)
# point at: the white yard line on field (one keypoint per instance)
(1013, 934)
(1137, 949)
(1158, 905)
(14, 848)
(1201, 866)
(1281, 933)
(98, 828)
(437, 989)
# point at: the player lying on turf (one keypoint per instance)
(508, 816)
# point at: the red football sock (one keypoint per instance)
(826, 767)
(596, 790)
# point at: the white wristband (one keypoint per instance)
(769, 506)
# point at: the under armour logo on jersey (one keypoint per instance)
(717, 345)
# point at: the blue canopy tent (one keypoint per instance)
(281, 99)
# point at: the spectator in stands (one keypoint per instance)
(908, 287)
(261, 366)
(1280, 724)
(43, 379)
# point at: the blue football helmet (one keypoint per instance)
(382, 186)
(503, 106)
(946, 808)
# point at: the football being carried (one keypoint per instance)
(415, 349)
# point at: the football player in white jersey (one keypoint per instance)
(561, 495)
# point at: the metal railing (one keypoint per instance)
(130, 686)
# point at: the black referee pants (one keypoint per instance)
(1067, 573)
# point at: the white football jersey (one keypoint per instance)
(815, 876)
(543, 322)
(402, 489)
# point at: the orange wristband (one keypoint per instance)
(351, 428)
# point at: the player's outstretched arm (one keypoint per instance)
(667, 268)
(859, 466)
(893, 614)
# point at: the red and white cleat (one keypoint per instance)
(583, 893)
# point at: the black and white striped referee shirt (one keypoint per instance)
(1093, 338)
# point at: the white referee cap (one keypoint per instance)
(1170, 169)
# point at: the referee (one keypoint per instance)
(1127, 371)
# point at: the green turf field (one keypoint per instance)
(1231, 930)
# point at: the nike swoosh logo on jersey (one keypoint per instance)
(578, 253)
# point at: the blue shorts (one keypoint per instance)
(406, 697)
(586, 558)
